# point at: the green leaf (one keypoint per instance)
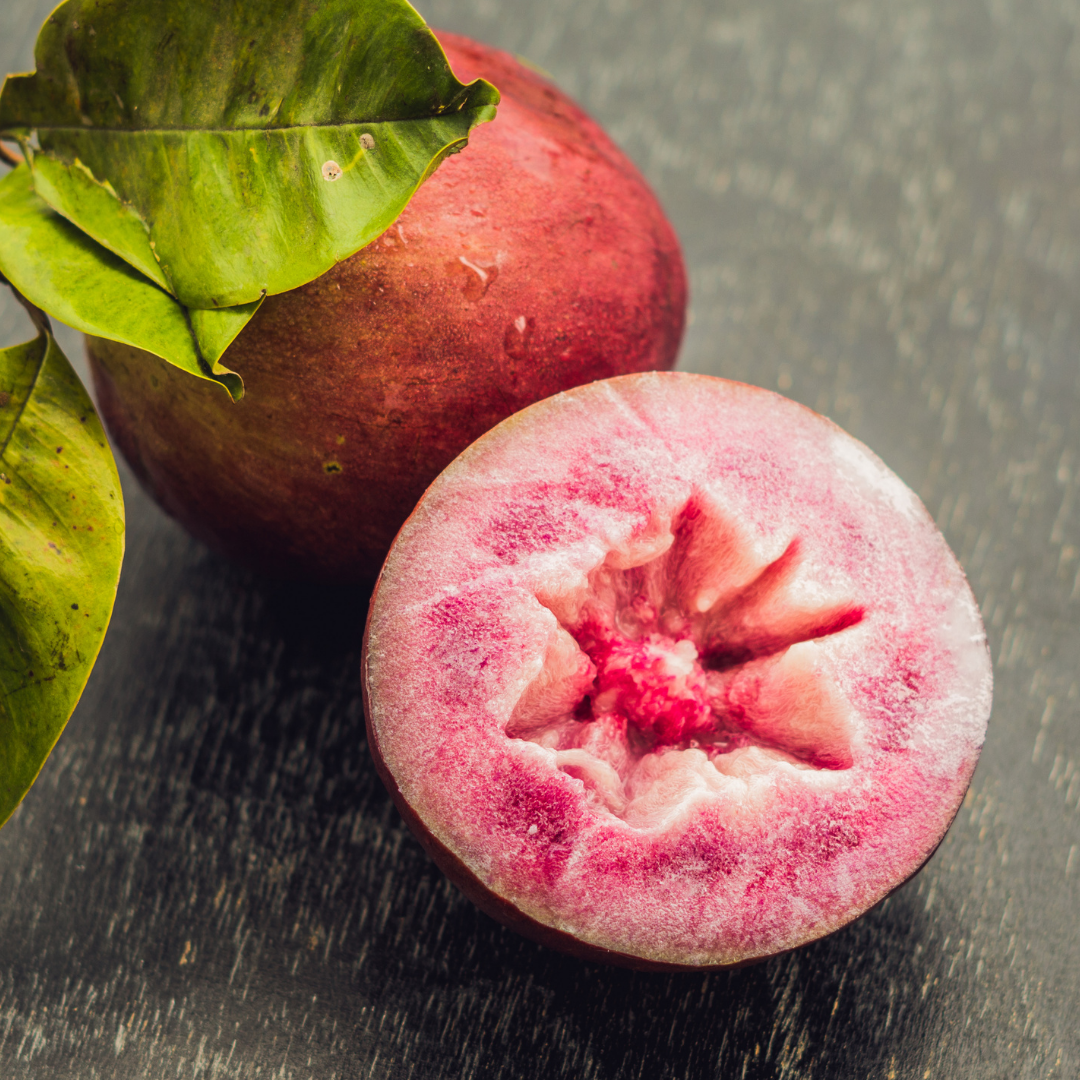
(61, 545)
(61, 270)
(214, 330)
(73, 191)
(241, 148)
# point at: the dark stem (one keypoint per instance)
(11, 157)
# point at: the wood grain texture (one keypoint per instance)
(880, 208)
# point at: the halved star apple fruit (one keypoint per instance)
(671, 672)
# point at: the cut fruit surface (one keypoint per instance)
(670, 671)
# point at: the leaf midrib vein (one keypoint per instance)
(227, 130)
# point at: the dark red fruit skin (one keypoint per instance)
(535, 260)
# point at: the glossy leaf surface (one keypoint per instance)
(61, 545)
(238, 149)
(61, 270)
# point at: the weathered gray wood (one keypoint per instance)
(881, 212)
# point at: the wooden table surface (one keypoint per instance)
(880, 209)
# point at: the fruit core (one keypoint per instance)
(695, 657)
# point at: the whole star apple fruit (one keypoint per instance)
(670, 671)
(536, 260)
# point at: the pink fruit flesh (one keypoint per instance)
(535, 260)
(671, 671)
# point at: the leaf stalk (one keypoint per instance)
(10, 157)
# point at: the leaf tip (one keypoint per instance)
(234, 384)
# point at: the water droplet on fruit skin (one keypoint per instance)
(517, 341)
(477, 284)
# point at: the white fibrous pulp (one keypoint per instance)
(676, 668)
